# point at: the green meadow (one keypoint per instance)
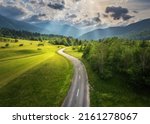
(33, 74)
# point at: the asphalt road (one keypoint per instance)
(78, 95)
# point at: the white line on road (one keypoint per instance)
(78, 92)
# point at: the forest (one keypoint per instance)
(10, 34)
(112, 56)
(18, 34)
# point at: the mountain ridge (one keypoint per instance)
(17, 25)
(138, 30)
(121, 31)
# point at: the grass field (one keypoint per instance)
(114, 92)
(74, 52)
(32, 75)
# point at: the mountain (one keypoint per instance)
(59, 28)
(17, 25)
(45, 27)
(138, 30)
(131, 31)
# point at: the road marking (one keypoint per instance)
(78, 92)
(79, 69)
(79, 77)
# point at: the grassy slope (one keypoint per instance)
(113, 92)
(16, 60)
(38, 80)
(72, 52)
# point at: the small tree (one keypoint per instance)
(7, 45)
(16, 40)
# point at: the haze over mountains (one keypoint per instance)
(17, 25)
(138, 30)
(131, 31)
(59, 28)
(55, 28)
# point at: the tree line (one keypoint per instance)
(16, 34)
(10, 34)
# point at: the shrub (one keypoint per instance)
(39, 49)
(7, 45)
(21, 45)
(3, 47)
(16, 40)
(40, 44)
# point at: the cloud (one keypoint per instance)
(77, 0)
(135, 11)
(105, 15)
(84, 12)
(91, 21)
(57, 5)
(33, 1)
(97, 19)
(35, 18)
(147, 1)
(42, 3)
(127, 17)
(72, 16)
(118, 13)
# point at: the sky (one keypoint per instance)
(80, 13)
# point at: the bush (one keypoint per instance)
(73, 48)
(40, 44)
(16, 40)
(7, 45)
(3, 47)
(20, 45)
(39, 49)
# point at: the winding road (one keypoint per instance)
(78, 95)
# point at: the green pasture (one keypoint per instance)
(33, 74)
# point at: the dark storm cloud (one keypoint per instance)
(91, 21)
(118, 13)
(127, 17)
(97, 19)
(35, 18)
(57, 5)
(11, 12)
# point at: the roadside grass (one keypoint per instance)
(74, 53)
(33, 76)
(114, 92)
